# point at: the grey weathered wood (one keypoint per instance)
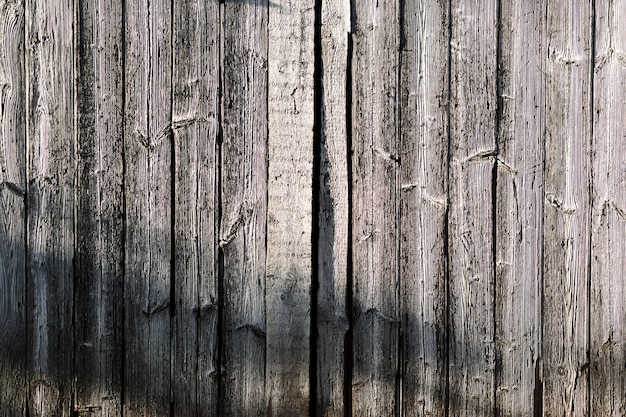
(567, 65)
(196, 43)
(289, 206)
(608, 248)
(12, 210)
(471, 257)
(244, 206)
(519, 208)
(375, 210)
(424, 202)
(99, 211)
(147, 145)
(51, 189)
(333, 219)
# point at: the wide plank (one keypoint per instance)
(289, 206)
(608, 246)
(12, 210)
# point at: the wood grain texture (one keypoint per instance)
(334, 218)
(375, 211)
(195, 115)
(566, 208)
(244, 206)
(289, 206)
(424, 204)
(12, 210)
(51, 189)
(519, 208)
(99, 211)
(148, 181)
(471, 257)
(608, 248)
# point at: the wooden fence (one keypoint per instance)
(330, 207)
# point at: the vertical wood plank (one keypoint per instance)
(519, 209)
(196, 66)
(50, 217)
(375, 168)
(566, 208)
(333, 220)
(289, 207)
(473, 150)
(608, 249)
(147, 144)
(424, 203)
(12, 210)
(244, 206)
(99, 211)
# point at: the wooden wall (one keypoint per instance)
(329, 208)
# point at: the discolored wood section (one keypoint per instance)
(195, 125)
(12, 210)
(473, 153)
(99, 247)
(244, 207)
(519, 208)
(148, 204)
(608, 219)
(568, 66)
(333, 209)
(375, 209)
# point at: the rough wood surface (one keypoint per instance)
(195, 116)
(12, 210)
(375, 194)
(424, 204)
(471, 258)
(566, 208)
(99, 212)
(51, 189)
(244, 206)
(334, 219)
(147, 145)
(289, 206)
(519, 209)
(608, 247)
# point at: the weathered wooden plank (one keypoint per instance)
(99, 211)
(472, 152)
(333, 220)
(196, 66)
(424, 203)
(12, 210)
(519, 208)
(289, 190)
(375, 210)
(147, 144)
(244, 206)
(566, 260)
(50, 218)
(608, 248)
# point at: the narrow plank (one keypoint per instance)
(375, 210)
(519, 208)
(99, 212)
(608, 249)
(50, 77)
(147, 145)
(196, 64)
(424, 198)
(471, 257)
(333, 220)
(244, 206)
(567, 65)
(289, 206)
(12, 210)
